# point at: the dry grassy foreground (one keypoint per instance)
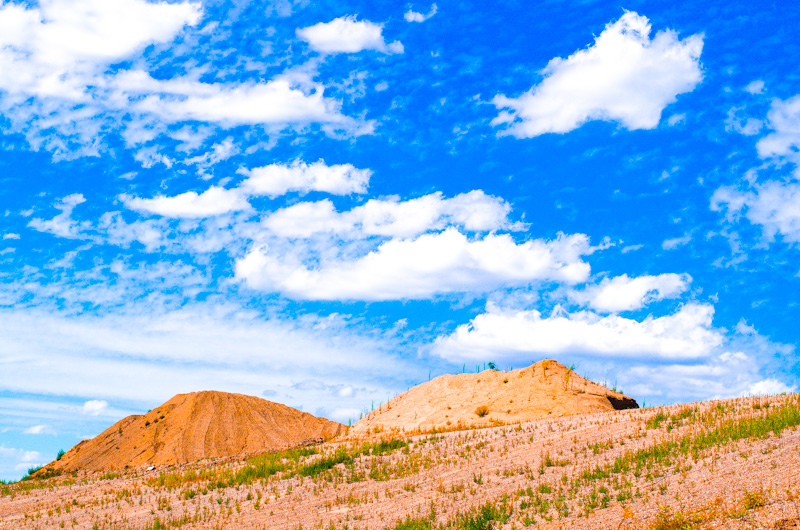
(725, 464)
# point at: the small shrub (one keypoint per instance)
(31, 471)
(482, 411)
(666, 520)
(60, 454)
(753, 500)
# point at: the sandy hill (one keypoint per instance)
(194, 426)
(544, 389)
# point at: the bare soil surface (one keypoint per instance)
(490, 398)
(722, 464)
(194, 426)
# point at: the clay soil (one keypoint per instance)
(723, 464)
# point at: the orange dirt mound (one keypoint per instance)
(195, 426)
(544, 389)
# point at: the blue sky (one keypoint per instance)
(325, 203)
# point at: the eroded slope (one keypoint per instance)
(195, 426)
(545, 389)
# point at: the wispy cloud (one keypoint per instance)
(39, 429)
(413, 16)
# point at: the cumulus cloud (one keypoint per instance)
(94, 407)
(626, 294)
(774, 205)
(413, 16)
(419, 268)
(767, 387)
(347, 35)
(277, 179)
(56, 49)
(625, 76)
(521, 335)
(473, 211)
(213, 201)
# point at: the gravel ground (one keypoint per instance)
(648, 468)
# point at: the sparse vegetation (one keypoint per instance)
(514, 476)
(482, 411)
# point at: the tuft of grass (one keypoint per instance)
(666, 520)
(482, 411)
(656, 421)
(485, 517)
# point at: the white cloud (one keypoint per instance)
(625, 76)
(473, 211)
(94, 407)
(675, 242)
(15, 462)
(213, 201)
(57, 48)
(774, 205)
(755, 87)
(675, 119)
(784, 119)
(345, 415)
(421, 268)
(62, 225)
(518, 336)
(56, 87)
(39, 429)
(219, 152)
(413, 16)
(277, 179)
(767, 387)
(10, 235)
(281, 100)
(626, 294)
(719, 376)
(147, 355)
(347, 35)
(746, 126)
(631, 248)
